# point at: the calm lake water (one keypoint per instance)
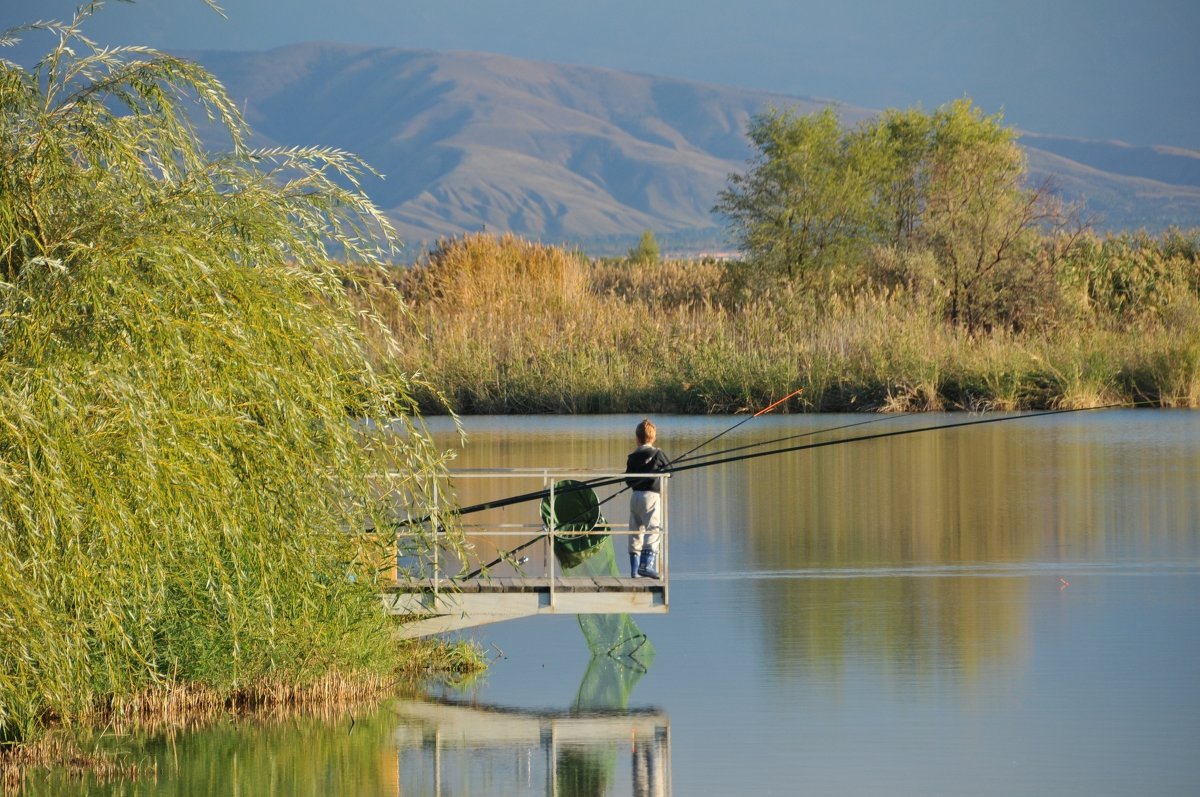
(1003, 609)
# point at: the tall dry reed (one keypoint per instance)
(701, 337)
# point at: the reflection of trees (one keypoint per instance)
(1092, 487)
(855, 512)
(338, 753)
(917, 553)
(920, 629)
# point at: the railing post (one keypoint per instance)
(549, 558)
(436, 544)
(666, 540)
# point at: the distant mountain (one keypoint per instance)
(472, 141)
(1121, 186)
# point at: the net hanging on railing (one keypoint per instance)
(614, 636)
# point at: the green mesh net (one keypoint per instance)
(575, 508)
(623, 650)
(614, 636)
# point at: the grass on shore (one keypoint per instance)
(503, 325)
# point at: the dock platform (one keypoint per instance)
(433, 596)
(446, 605)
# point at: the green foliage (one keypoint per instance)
(647, 249)
(805, 198)
(181, 480)
(821, 201)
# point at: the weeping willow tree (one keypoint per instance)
(190, 429)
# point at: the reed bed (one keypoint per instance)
(191, 430)
(74, 758)
(551, 331)
(178, 706)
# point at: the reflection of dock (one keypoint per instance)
(447, 605)
(444, 745)
(432, 598)
(490, 726)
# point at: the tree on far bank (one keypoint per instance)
(647, 249)
(948, 185)
(804, 199)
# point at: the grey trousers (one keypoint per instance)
(644, 521)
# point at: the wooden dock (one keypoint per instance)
(443, 605)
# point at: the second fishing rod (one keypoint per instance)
(560, 523)
(537, 495)
(723, 457)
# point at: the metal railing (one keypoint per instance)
(524, 535)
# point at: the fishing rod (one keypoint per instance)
(719, 435)
(599, 482)
(676, 467)
(789, 449)
(537, 495)
(776, 441)
(687, 456)
(882, 435)
(602, 482)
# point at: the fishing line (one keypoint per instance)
(797, 436)
(882, 435)
(603, 482)
(719, 435)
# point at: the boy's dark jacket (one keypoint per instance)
(646, 459)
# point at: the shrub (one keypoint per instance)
(183, 483)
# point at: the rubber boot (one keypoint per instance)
(633, 565)
(646, 568)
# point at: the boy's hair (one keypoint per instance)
(646, 433)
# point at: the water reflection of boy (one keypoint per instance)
(644, 516)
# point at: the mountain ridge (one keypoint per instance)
(566, 153)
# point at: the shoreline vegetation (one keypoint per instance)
(191, 519)
(503, 325)
(901, 264)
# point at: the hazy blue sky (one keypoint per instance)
(1091, 68)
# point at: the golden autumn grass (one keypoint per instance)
(505, 325)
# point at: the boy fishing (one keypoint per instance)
(644, 516)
